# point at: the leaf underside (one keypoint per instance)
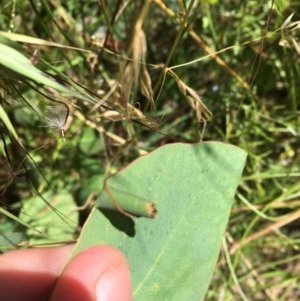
(173, 256)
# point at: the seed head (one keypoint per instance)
(56, 118)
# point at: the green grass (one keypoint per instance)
(228, 59)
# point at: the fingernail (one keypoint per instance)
(114, 285)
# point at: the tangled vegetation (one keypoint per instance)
(129, 76)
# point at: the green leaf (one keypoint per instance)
(5, 119)
(11, 240)
(11, 39)
(281, 5)
(173, 256)
(18, 220)
(15, 65)
(89, 142)
(53, 215)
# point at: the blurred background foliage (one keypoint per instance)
(151, 73)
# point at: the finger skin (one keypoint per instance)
(30, 274)
(98, 274)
